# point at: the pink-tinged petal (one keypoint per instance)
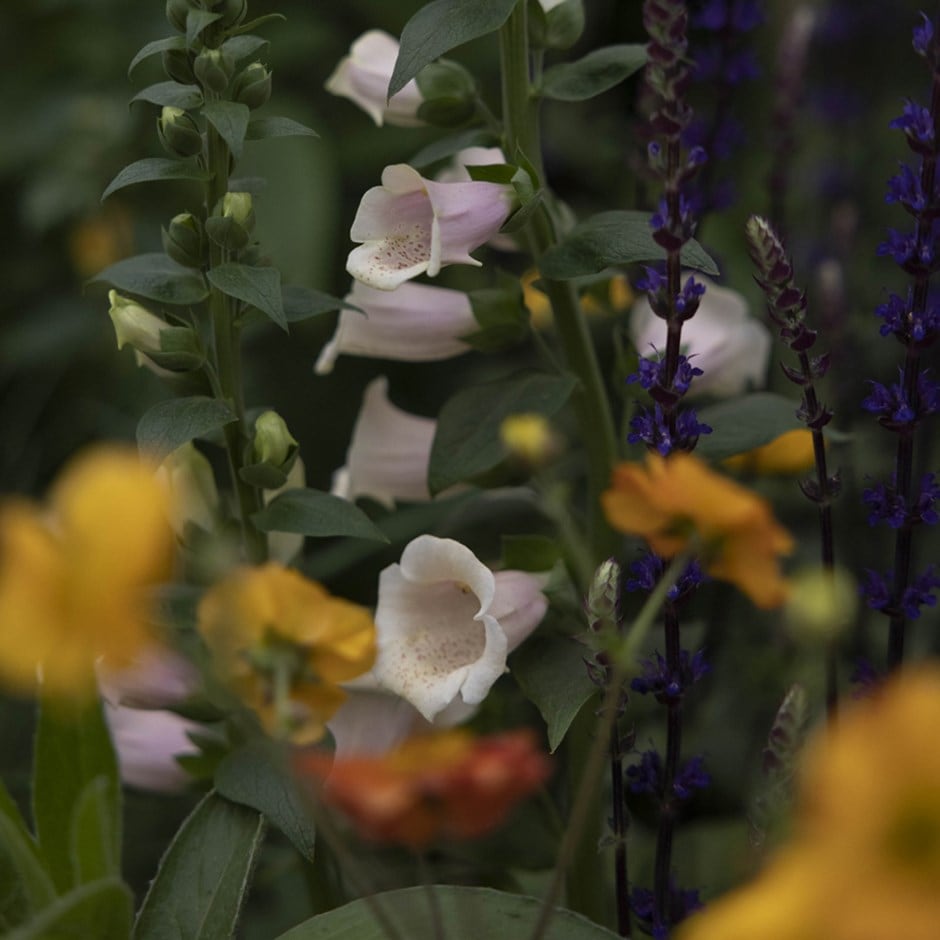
(363, 77)
(371, 722)
(389, 452)
(413, 323)
(519, 604)
(456, 171)
(158, 678)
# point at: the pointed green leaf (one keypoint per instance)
(551, 673)
(467, 441)
(153, 169)
(258, 776)
(204, 876)
(312, 512)
(96, 847)
(102, 910)
(170, 424)
(73, 748)
(240, 47)
(25, 885)
(196, 21)
(301, 303)
(230, 119)
(744, 423)
(595, 73)
(609, 238)
(467, 914)
(448, 146)
(155, 48)
(258, 287)
(441, 26)
(171, 94)
(259, 21)
(154, 276)
(264, 127)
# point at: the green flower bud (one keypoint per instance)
(232, 222)
(178, 133)
(178, 66)
(238, 206)
(555, 24)
(189, 477)
(273, 443)
(172, 347)
(449, 93)
(185, 241)
(603, 598)
(252, 86)
(233, 11)
(821, 605)
(214, 69)
(176, 11)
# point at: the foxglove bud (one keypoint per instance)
(252, 86)
(232, 222)
(185, 241)
(178, 132)
(176, 11)
(449, 94)
(603, 598)
(273, 443)
(214, 69)
(173, 347)
(233, 12)
(555, 24)
(178, 65)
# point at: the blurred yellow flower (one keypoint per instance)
(284, 644)
(865, 860)
(668, 500)
(615, 296)
(73, 575)
(787, 455)
(529, 438)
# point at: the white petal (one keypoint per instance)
(389, 452)
(157, 678)
(372, 722)
(519, 604)
(413, 323)
(456, 171)
(468, 214)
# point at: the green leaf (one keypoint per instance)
(301, 303)
(73, 749)
(196, 21)
(171, 94)
(152, 169)
(551, 673)
(155, 48)
(155, 276)
(170, 424)
(448, 146)
(25, 885)
(259, 21)
(595, 73)
(230, 119)
(745, 423)
(265, 127)
(240, 47)
(467, 441)
(258, 776)
(102, 910)
(441, 26)
(258, 287)
(616, 237)
(312, 512)
(96, 846)
(467, 914)
(203, 877)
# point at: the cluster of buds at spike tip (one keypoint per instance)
(667, 73)
(230, 12)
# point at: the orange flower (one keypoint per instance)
(787, 455)
(285, 644)
(435, 786)
(669, 500)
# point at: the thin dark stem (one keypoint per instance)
(620, 826)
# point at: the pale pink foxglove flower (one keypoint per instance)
(731, 347)
(411, 225)
(413, 323)
(389, 452)
(456, 170)
(363, 77)
(445, 624)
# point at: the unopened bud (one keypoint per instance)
(233, 11)
(252, 86)
(529, 438)
(178, 65)
(184, 241)
(821, 605)
(603, 601)
(555, 24)
(214, 69)
(172, 347)
(273, 443)
(449, 93)
(232, 222)
(195, 500)
(178, 132)
(176, 11)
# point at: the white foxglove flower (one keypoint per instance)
(413, 323)
(389, 452)
(188, 476)
(438, 629)
(363, 77)
(456, 170)
(730, 346)
(411, 225)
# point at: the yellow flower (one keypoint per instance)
(668, 500)
(285, 644)
(614, 296)
(529, 438)
(73, 577)
(865, 860)
(787, 455)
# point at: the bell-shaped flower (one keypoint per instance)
(456, 170)
(411, 225)
(445, 624)
(730, 346)
(363, 77)
(389, 452)
(413, 323)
